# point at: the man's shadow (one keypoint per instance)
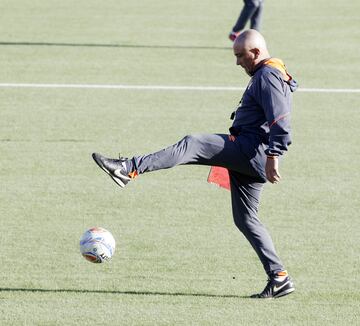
(144, 293)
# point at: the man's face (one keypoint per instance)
(245, 58)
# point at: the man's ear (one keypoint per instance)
(256, 52)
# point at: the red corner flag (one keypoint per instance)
(219, 176)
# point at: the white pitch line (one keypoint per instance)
(164, 87)
(329, 90)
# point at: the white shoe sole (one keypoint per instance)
(288, 291)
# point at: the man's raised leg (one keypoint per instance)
(202, 149)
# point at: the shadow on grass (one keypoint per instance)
(150, 293)
(8, 140)
(104, 45)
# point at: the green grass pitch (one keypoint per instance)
(179, 259)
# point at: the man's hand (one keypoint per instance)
(272, 169)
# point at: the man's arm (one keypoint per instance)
(276, 107)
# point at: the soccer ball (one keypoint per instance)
(97, 245)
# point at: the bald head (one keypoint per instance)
(250, 49)
(250, 39)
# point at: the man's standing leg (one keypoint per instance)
(245, 197)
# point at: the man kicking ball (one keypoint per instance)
(259, 135)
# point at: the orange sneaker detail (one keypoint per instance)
(133, 174)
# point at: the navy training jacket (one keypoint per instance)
(265, 108)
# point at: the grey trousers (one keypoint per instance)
(246, 186)
(252, 10)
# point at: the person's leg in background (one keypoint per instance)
(256, 19)
(252, 11)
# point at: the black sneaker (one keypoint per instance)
(276, 287)
(116, 169)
